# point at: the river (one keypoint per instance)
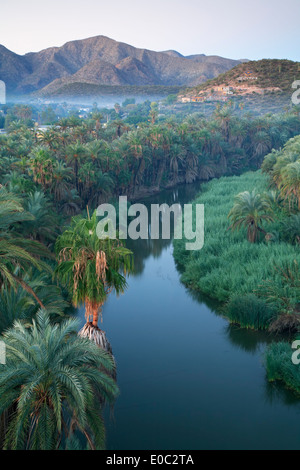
(188, 379)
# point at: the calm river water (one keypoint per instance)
(188, 380)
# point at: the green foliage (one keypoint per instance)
(17, 251)
(291, 229)
(249, 311)
(90, 266)
(283, 291)
(250, 210)
(228, 264)
(18, 304)
(55, 382)
(283, 166)
(139, 151)
(279, 365)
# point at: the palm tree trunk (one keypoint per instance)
(94, 333)
(76, 173)
(29, 290)
(95, 317)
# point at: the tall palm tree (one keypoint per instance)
(177, 156)
(290, 183)
(91, 267)
(41, 164)
(261, 144)
(55, 382)
(93, 183)
(250, 210)
(44, 224)
(60, 185)
(75, 154)
(223, 116)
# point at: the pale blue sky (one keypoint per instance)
(234, 28)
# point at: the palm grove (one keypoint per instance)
(52, 259)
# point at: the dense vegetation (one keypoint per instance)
(250, 259)
(51, 258)
(229, 268)
(51, 383)
(54, 384)
(279, 365)
(80, 162)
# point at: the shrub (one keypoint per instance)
(285, 323)
(228, 265)
(279, 365)
(249, 311)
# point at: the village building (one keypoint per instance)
(185, 99)
(197, 99)
(228, 90)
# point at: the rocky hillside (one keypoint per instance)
(254, 77)
(103, 61)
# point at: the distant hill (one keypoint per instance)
(103, 61)
(249, 78)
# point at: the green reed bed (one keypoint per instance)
(280, 367)
(229, 268)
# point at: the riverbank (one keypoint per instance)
(257, 284)
(174, 353)
(233, 271)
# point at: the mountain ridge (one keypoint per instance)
(100, 60)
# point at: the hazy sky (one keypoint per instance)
(252, 29)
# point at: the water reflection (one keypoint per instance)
(188, 379)
(275, 391)
(247, 340)
(142, 249)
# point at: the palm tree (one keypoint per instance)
(17, 183)
(44, 225)
(75, 154)
(55, 382)
(120, 127)
(153, 113)
(224, 116)
(93, 183)
(250, 210)
(41, 165)
(71, 203)
(16, 251)
(60, 185)
(261, 144)
(290, 183)
(97, 117)
(19, 305)
(177, 156)
(93, 150)
(48, 138)
(91, 268)
(291, 228)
